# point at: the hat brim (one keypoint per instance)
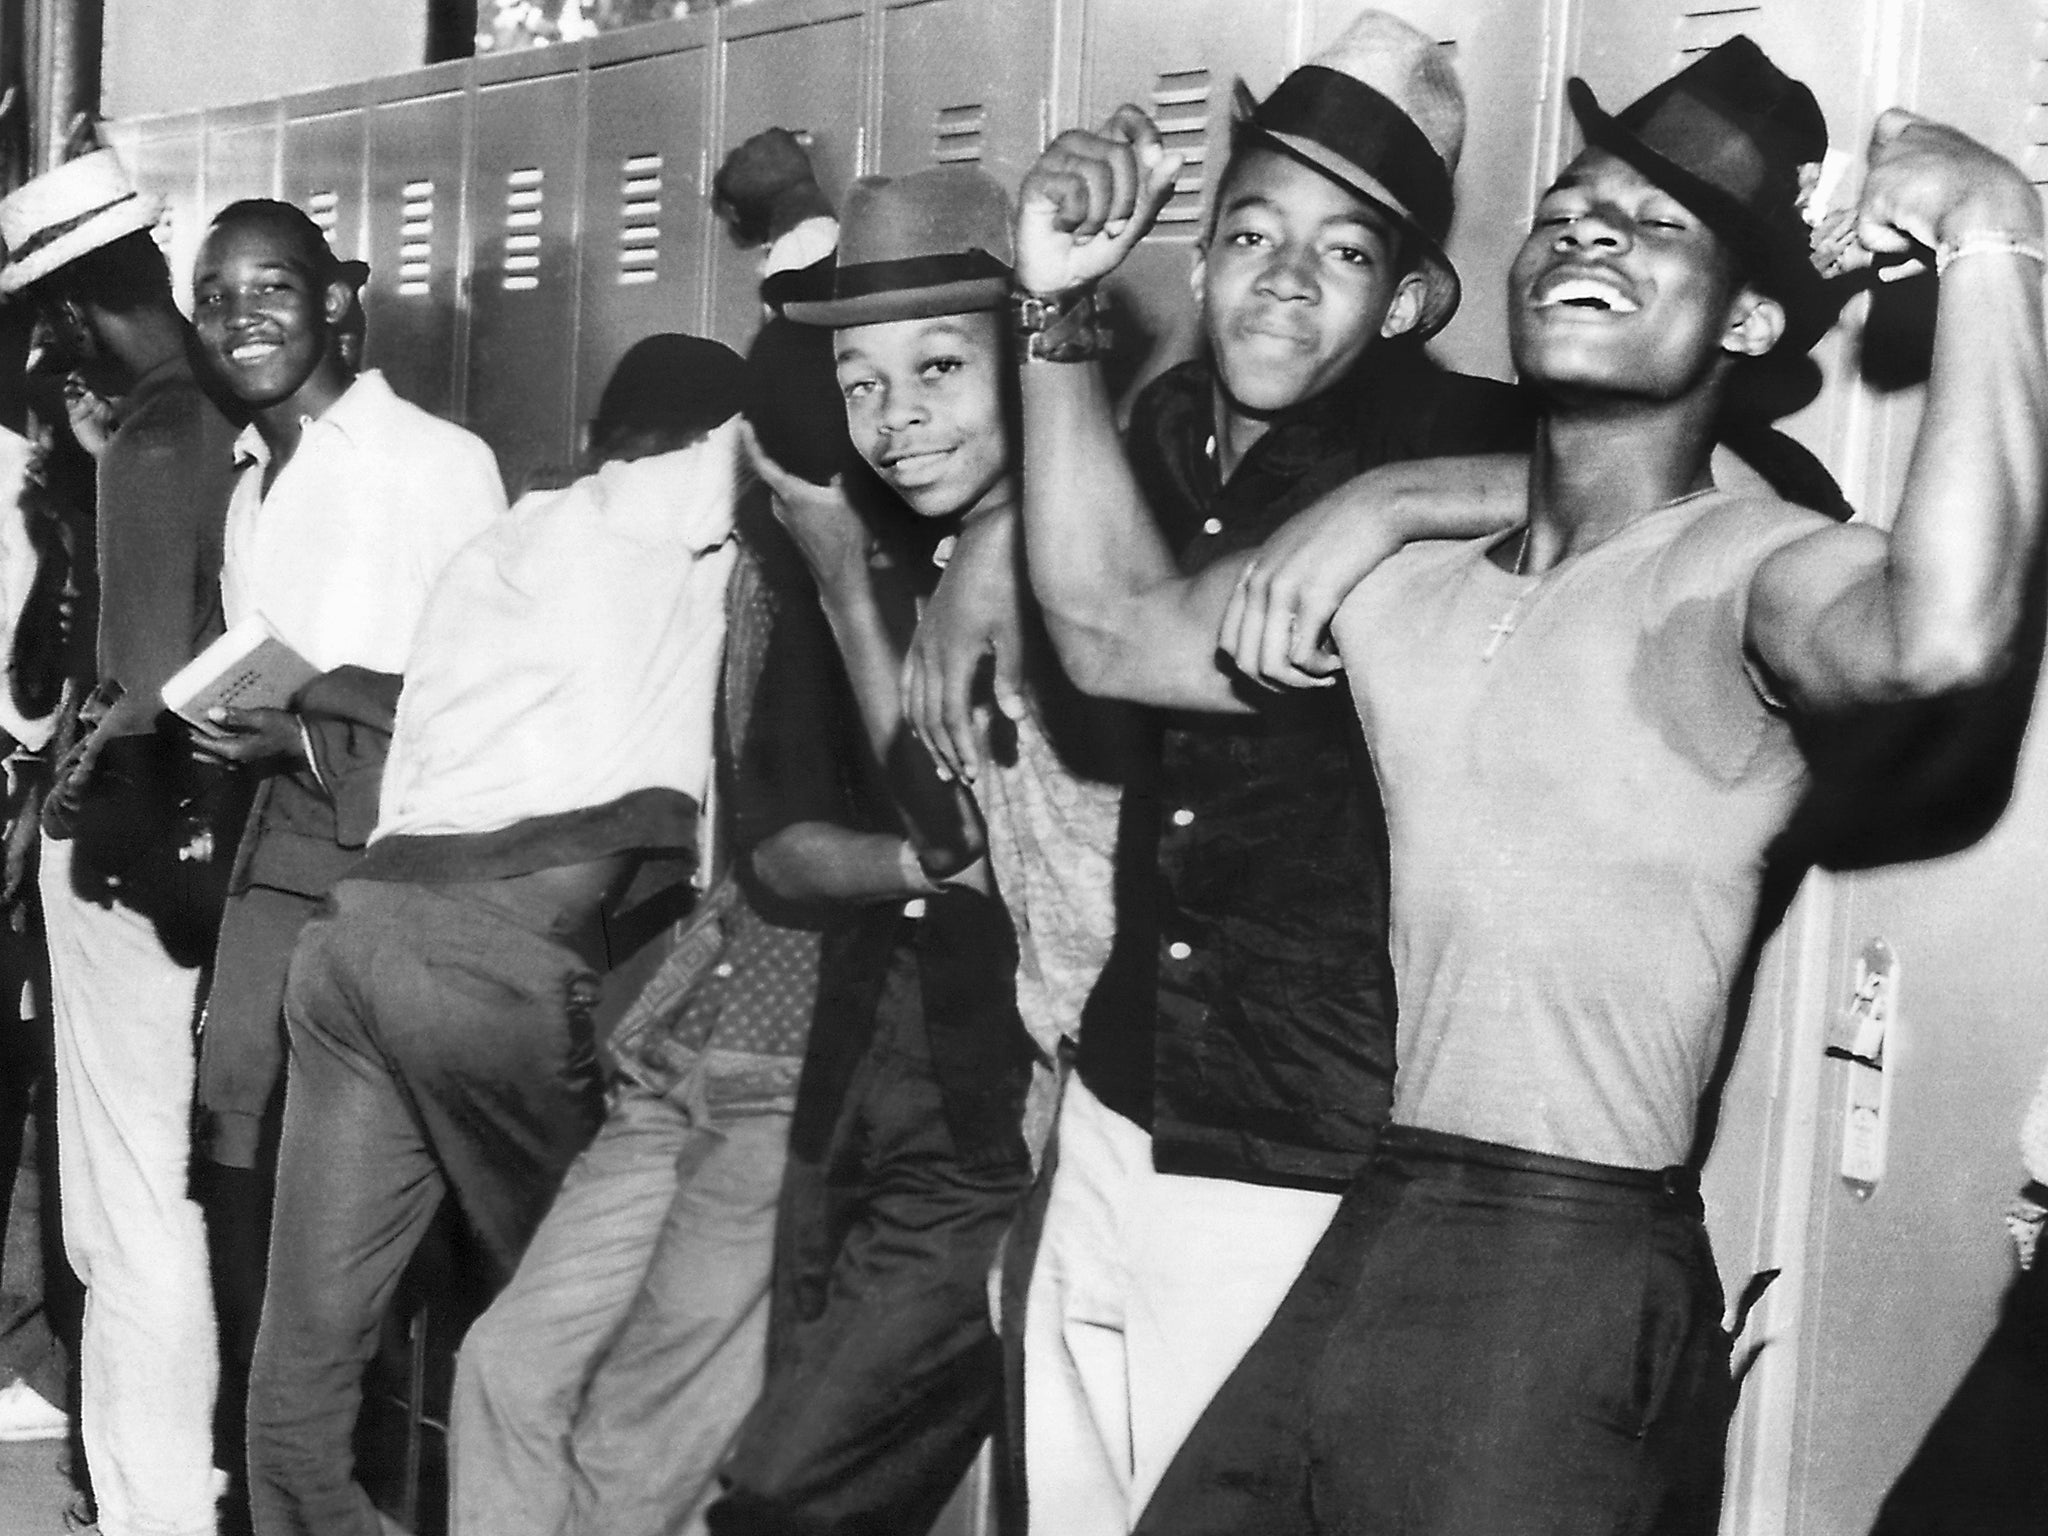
(1441, 288)
(1782, 266)
(968, 296)
(130, 216)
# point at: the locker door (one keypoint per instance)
(323, 166)
(524, 188)
(964, 82)
(646, 210)
(1900, 1289)
(1503, 56)
(163, 158)
(1182, 73)
(241, 157)
(796, 64)
(415, 245)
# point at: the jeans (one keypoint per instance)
(437, 1047)
(602, 1387)
(1487, 1342)
(1147, 1290)
(884, 1375)
(147, 1373)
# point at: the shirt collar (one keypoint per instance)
(366, 397)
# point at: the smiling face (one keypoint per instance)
(264, 313)
(1621, 290)
(925, 407)
(1299, 277)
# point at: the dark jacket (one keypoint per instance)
(1247, 1017)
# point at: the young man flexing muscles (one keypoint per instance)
(1585, 733)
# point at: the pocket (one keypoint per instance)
(1681, 1359)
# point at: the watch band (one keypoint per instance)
(1071, 326)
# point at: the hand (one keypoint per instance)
(1929, 185)
(828, 530)
(248, 736)
(974, 614)
(69, 777)
(1276, 625)
(91, 418)
(1089, 199)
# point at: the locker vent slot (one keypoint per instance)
(957, 134)
(324, 208)
(1180, 105)
(1705, 27)
(416, 239)
(640, 220)
(523, 194)
(2036, 138)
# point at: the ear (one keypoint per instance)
(1404, 311)
(1198, 274)
(335, 299)
(1755, 323)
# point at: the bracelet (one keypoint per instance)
(1948, 252)
(1071, 326)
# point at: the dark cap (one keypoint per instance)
(666, 382)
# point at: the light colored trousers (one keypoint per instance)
(1147, 1290)
(600, 1391)
(147, 1364)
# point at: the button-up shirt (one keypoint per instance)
(340, 553)
(1270, 1053)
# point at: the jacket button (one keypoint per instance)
(1178, 950)
(1183, 817)
(1213, 525)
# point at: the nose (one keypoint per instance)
(1290, 276)
(903, 407)
(1596, 227)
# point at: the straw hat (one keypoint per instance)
(1380, 112)
(62, 214)
(935, 242)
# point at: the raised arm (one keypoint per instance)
(871, 611)
(1847, 618)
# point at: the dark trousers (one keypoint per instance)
(884, 1375)
(437, 1047)
(1487, 1342)
(234, 1153)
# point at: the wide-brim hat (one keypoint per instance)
(1737, 141)
(935, 242)
(1381, 113)
(61, 215)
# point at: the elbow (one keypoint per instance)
(1959, 659)
(1087, 653)
(790, 865)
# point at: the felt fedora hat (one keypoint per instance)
(1737, 141)
(62, 214)
(1381, 113)
(935, 242)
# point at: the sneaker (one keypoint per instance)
(25, 1414)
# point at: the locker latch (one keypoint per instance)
(1859, 1037)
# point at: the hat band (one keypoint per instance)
(865, 279)
(1350, 118)
(50, 234)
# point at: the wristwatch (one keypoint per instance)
(1071, 326)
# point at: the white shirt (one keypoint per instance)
(570, 654)
(340, 555)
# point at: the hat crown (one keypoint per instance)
(74, 190)
(1410, 69)
(948, 210)
(1737, 121)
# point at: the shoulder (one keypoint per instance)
(396, 424)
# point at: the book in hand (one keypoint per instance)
(246, 668)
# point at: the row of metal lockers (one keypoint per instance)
(527, 216)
